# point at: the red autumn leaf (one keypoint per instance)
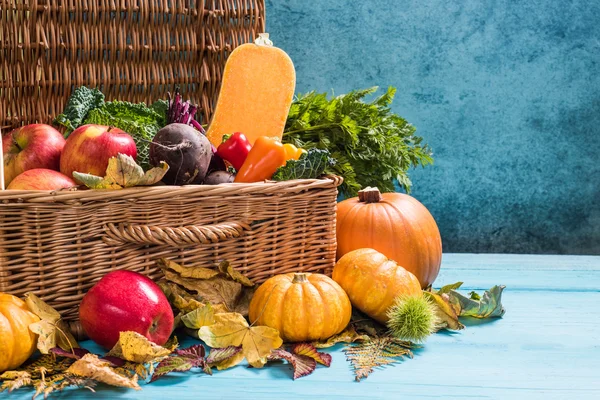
(75, 353)
(182, 360)
(218, 355)
(308, 350)
(302, 365)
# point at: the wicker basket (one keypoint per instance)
(131, 50)
(57, 244)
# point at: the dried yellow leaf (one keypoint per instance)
(90, 366)
(137, 348)
(232, 329)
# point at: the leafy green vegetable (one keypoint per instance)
(309, 166)
(371, 145)
(140, 121)
(82, 100)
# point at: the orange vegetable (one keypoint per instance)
(302, 306)
(292, 152)
(395, 224)
(17, 342)
(256, 92)
(264, 158)
(373, 282)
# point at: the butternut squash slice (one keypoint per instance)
(256, 92)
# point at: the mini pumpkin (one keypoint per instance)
(395, 224)
(301, 306)
(17, 342)
(386, 292)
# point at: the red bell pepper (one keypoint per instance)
(234, 149)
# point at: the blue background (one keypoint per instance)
(507, 93)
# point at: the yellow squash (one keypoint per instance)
(256, 92)
(17, 342)
(301, 306)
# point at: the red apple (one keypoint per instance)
(41, 179)
(125, 301)
(89, 148)
(31, 146)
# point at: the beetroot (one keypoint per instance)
(185, 150)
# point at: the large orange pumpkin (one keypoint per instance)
(395, 224)
(17, 342)
(301, 306)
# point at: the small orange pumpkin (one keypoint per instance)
(394, 224)
(373, 282)
(17, 342)
(301, 306)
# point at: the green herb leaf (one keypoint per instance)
(82, 100)
(372, 146)
(310, 165)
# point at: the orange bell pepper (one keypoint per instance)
(267, 154)
(292, 152)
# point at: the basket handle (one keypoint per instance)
(119, 234)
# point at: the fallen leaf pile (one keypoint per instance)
(132, 359)
(226, 288)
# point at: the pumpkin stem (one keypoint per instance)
(299, 278)
(370, 195)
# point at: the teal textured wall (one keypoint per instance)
(506, 92)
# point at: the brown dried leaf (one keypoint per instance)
(137, 348)
(348, 335)
(90, 366)
(215, 290)
(178, 297)
(187, 272)
(237, 276)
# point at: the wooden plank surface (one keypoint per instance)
(547, 346)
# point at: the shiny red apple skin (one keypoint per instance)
(125, 301)
(89, 148)
(31, 146)
(41, 179)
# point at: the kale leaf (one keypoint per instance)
(310, 165)
(82, 100)
(139, 120)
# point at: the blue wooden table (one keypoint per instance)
(547, 346)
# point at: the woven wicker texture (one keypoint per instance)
(131, 50)
(58, 244)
